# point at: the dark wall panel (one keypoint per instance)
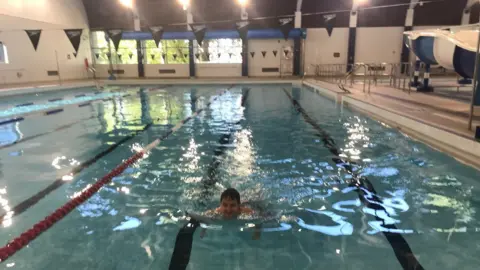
(107, 14)
(439, 13)
(474, 14)
(160, 12)
(383, 16)
(269, 8)
(340, 7)
(216, 10)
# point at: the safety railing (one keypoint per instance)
(397, 75)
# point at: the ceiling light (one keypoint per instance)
(127, 3)
(242, 2)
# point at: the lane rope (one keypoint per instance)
(28, 236)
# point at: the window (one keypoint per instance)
(223, 50)
(3, 54)
(168, 52)
(127, 50)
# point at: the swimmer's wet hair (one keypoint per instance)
(230, 193)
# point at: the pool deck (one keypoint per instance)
(438, 121)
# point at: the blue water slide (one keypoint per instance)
(423, 49)
(464, 62)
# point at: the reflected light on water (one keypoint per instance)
(192, 157)
(68, 177)
(7, 219)
(243, 153)
(56, 161)
(125, 190)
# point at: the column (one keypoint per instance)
(243, 17)
(416, 74)
(141, 66)
(405, 56)
(296, 56)
(426, 81)
(191, 50)
(352, 40)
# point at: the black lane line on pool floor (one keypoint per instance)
(183, 243)
(25, 139)
(24, 205)
(402, 250)
(9, 121)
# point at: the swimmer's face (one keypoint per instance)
(229, 208)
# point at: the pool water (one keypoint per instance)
(272, 155)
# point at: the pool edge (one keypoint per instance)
(463, 149)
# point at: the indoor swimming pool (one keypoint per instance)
(348, 192)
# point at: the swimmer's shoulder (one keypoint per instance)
(246, 210)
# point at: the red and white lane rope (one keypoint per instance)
(25, 238)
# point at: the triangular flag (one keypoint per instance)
(97, 55)
(164, 56)
(199, 31)
(34, 36)
(275, 53)
(285, 52)
(174, 56)
(330, 22)
(264, 53)
(252, 54)
(185, 55)
(115, 36)
(75, 37)
(230, 55)
(119, 55)
(286, 24)
(219, 54)
(153, 56)
(130, 55)
(75, 54)
(157, 34)
(108, 55)
(197, 55)
(242, 28)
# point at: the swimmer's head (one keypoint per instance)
(230, 203)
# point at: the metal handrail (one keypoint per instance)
(337, 73)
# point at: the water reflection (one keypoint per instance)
(343, 227)
(130, 223)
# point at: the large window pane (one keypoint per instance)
(223, 50)
(127, 50)
(168, 52)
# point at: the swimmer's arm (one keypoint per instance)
(203, 232)
(257, 233)
(246, 210)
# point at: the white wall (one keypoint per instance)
(181, 70)
(51, 16)
(256, 64)
(319, 47)
(218, 70)
(379, 44)
(130, 71)
(65, 13)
